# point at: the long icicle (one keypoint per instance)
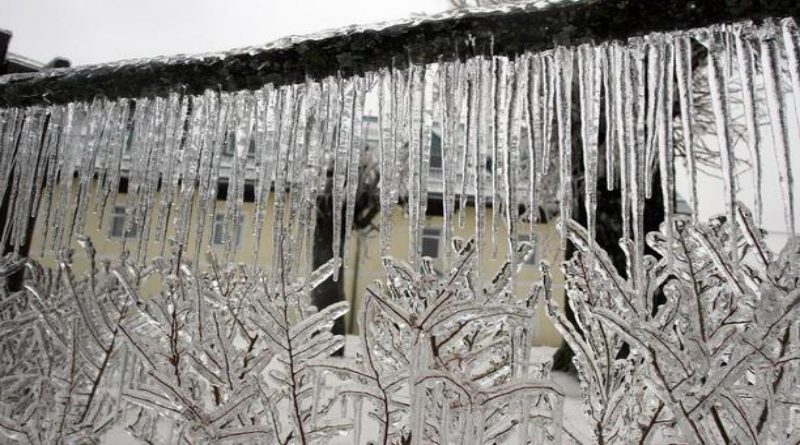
(718, 85)
(776, 107)
(683, 69)
(790, 42)
(563, 64)
(534, 136)
(744, 61)
(665, 141)
(340, 165)
(589, 87)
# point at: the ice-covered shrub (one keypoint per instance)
(445, 360)
(705, 351)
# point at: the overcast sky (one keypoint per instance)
(93, 31)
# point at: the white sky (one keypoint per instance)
(94, 31)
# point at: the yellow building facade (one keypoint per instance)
(362, 266)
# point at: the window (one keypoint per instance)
(251, 151)
(431, 238)
(229, 146)
(220, 226)
(533, 258)
(436, 152)
(118, 221)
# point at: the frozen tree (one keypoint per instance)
(445, 359)
(62, 352)
(716, 362)
(212, 358)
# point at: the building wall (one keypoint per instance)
(356, 276)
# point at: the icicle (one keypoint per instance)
(484, 140)
(518, 92)
(284, 139)
(308, 180)
(665, 143)
(744, 60)
(74, 118)
(790, 42)
(534, 136)
(400, 142)
(606, 56)
(195, 155)
(590, 82)
(499, 142)
(295, 180)
(386, 150)
(356, 149)
(655, 78)
(316, 170)
(635, 115)
(470, 140)
(57, 117)
(340, 165)
(563, 68)
(718, 85)
(429, 112)
(28, 145)
(106, 158)
(550, 86)
(620, 74)
(451, 98)
(88, 153)
(186, 171)
(147, 183)
(417, 86)
(242, 127)
(177, 109)
(778, 120)
(683, 66)
(214, 144)
(102, 157)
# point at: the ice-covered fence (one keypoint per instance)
(501, 91)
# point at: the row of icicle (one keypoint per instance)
(500, 120)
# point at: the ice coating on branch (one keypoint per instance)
(687, 352)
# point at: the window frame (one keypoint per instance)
(434, 233)
(121, 213)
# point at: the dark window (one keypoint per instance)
(431, 238)
(251, 152)
(436, 152)
(118, 221)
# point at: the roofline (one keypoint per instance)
(508, 30)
